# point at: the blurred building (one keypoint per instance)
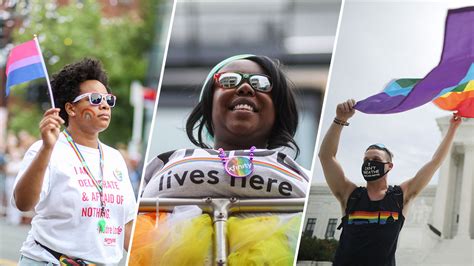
(300, 33)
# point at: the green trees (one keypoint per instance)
(71, 32)
(312, 248)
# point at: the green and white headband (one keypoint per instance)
(218, 67)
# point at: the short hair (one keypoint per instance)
(65, 84)
(286, 113)
(381, 147)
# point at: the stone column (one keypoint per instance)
(441, 216)
(465, 208)
(444, 196)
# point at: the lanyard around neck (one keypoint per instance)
(97, 183)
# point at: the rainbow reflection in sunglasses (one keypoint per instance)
(96, 98)
(228, 80)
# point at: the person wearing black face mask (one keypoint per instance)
(375, 169)
(373, 215)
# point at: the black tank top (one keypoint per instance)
(370, 229)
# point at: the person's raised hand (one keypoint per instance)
(455, 121)
(50, 127)
(345, 110)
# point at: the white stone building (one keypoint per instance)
(324, 213)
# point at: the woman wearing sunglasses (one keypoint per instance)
(374, 214)
(77, 186)
(246, 113)
(245, 116)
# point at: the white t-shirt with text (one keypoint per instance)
(68, 210)
(192, 173)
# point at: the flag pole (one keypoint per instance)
(45, 71)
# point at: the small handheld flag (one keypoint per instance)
(26, 63)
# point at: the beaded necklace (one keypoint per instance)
(238, 166)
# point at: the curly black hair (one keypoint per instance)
(65, 83)
(286, 113)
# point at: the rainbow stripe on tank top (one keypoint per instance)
(375, 217)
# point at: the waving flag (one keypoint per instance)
(450, 85)
(24, 64)
(460, 99)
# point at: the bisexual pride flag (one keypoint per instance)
(24, 63)
(450, 85)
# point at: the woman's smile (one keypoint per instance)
(241, 112)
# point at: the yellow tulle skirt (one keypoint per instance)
(263, 240)
(253, 240)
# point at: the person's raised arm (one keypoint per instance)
(28, 188)
(412, 187)
(339, 184)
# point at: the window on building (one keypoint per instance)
(309, 229)
(331, 229)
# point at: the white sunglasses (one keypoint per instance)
(96, 98)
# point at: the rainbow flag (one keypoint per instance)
(450, 85)
(24, 63)
(375, 217)
(460, 99)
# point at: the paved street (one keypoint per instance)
(11, 239)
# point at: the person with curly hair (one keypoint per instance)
(77, 186)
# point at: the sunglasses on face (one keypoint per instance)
(380, 146)
(96, 98)
(228, 80)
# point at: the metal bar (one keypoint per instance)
(267, 205)
(235, 206)
(220, 209)
(167, 204)
(220, 216)
(220, 246)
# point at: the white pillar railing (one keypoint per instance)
(220, 209)
(464, 227)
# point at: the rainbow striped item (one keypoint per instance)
(375, 217)
(260, 164)
(449, 85)
(460, 99)
(239, 166)
(97, 183)
(24, 63)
